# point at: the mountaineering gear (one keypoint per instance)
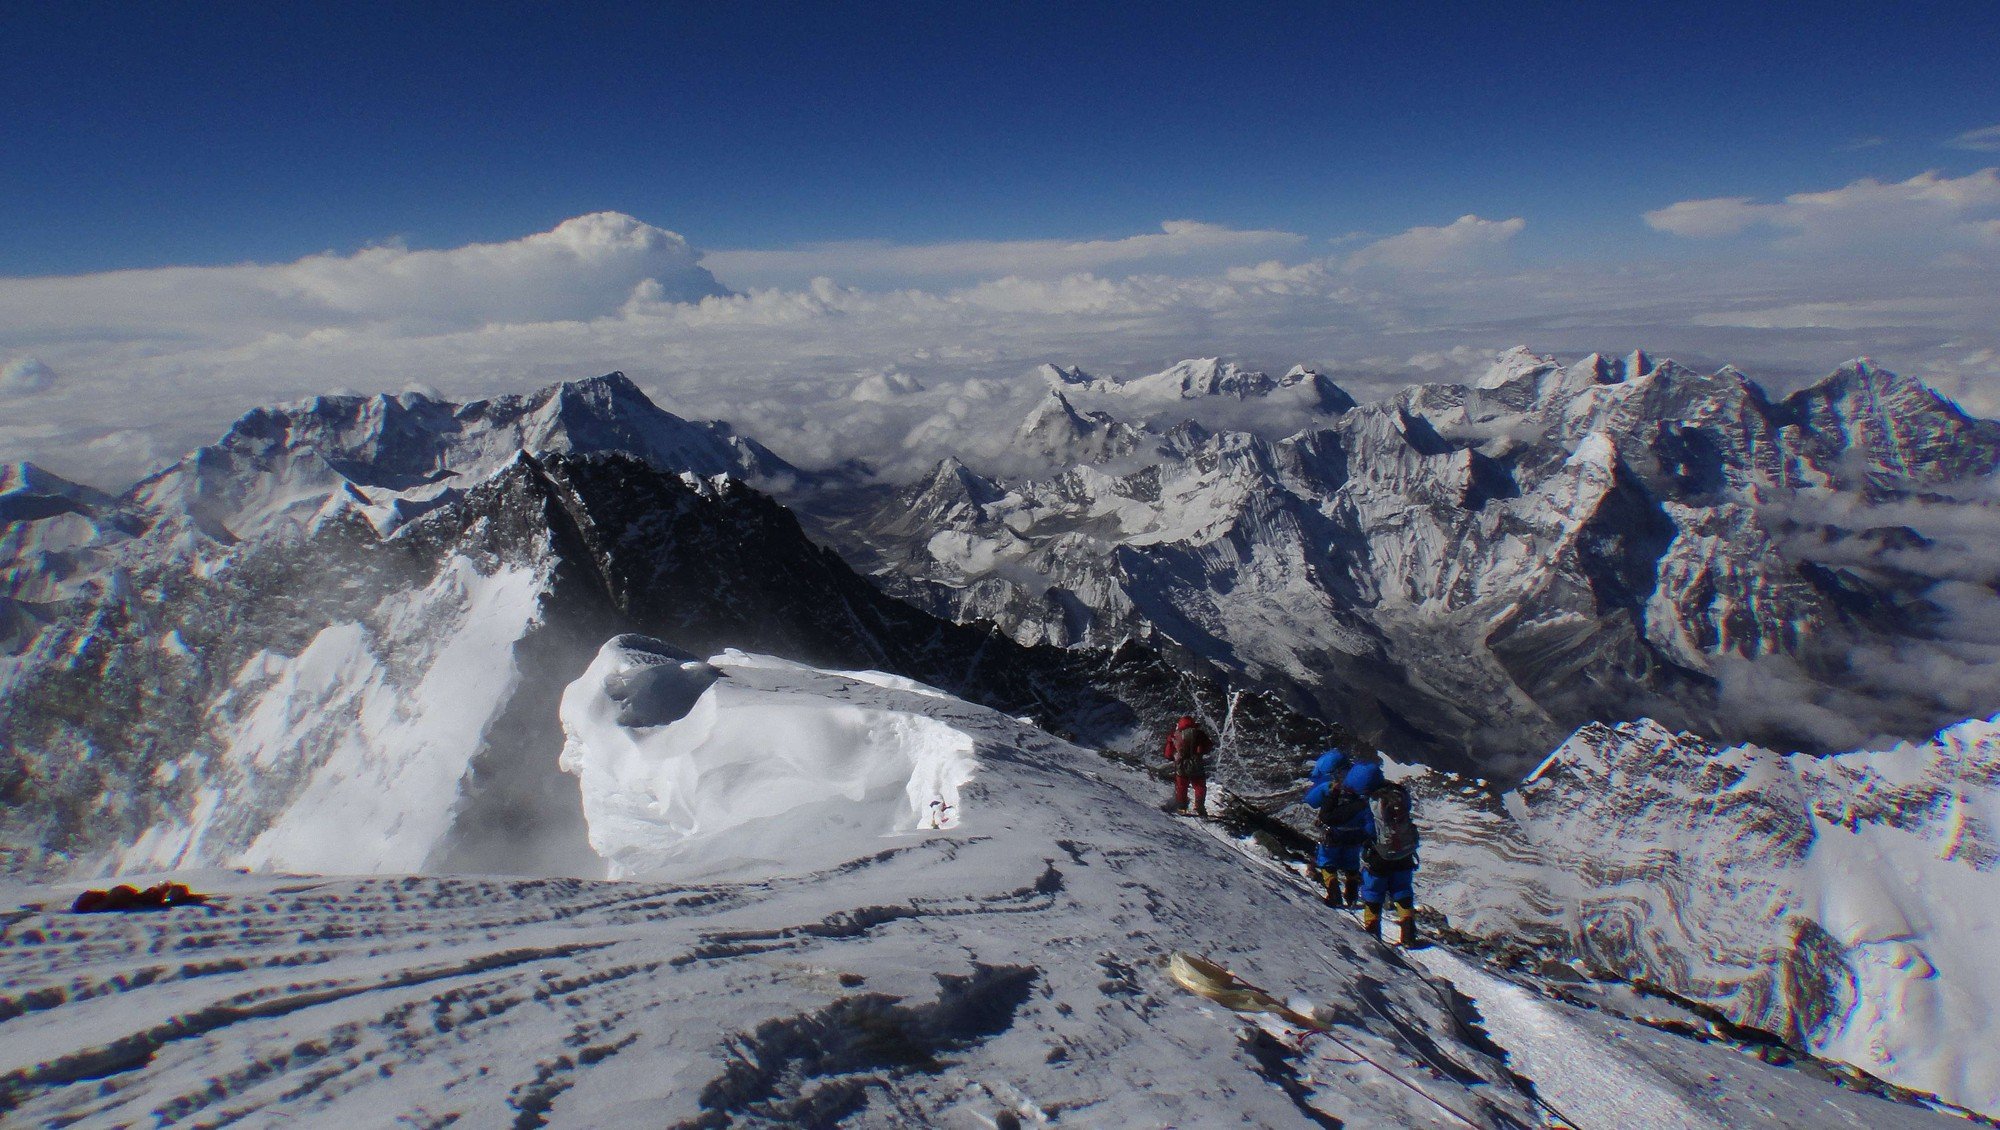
(1339, 796)
(1207, 979)
(1379, 887)
(127, 897)
(1406, 919)
(1392, 840)
(1342, 804)
(1199, 786)
(1188, 748)
(1340, 886)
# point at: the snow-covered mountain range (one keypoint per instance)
(349, 607)
(368, 635)
(1846, 904)
(1472, 572)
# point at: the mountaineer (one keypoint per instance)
(1339, 798)
(1188, 748)
(1389, 861)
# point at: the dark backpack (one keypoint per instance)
(1338, 817)
(1395, 844)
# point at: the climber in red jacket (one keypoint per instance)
(1188, 748)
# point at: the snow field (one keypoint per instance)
(1008, 967)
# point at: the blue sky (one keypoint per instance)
(214, 133)
(760, 210)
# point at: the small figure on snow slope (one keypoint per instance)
(1188, 748)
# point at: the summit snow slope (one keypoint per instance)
(994, 963)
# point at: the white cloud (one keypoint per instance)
(582, 268)
(1985, 140)
(155, 362)
(23, 376)
(1465, 242)
(1182, 243)
(885, 384)
(1929, 211)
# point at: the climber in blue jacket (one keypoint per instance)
(1339, 795)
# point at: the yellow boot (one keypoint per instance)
(1406, 924)
(1371, 918)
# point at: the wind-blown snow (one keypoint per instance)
(762, 774)
(347, 758)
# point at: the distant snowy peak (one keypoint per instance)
(954, 497)
(1514, 365)
(28, 492)
(1196, 378)
(1543, 377)
(1904, 431)
(396, 456)
(1056, 431)
(1329, 398)
(1064, 376)
(54, 534)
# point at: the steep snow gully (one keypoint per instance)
(848, 898)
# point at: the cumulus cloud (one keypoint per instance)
(1986, 140)
(583, 268)
(1928, 210)
(1178, 244)
(1466, 241)
(885, 384)
(21, 376)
